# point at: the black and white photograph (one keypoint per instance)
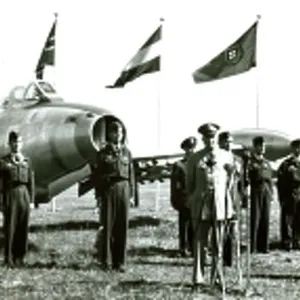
(149, 149)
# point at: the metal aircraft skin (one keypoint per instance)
(62, 139)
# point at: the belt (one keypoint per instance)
(261, 181)
(17, 183)
(118, 178)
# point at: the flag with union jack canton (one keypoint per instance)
(48, 54)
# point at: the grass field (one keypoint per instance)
(61, 263)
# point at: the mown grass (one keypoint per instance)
(61, 262)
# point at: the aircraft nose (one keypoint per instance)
(89, 135)
(77, 139)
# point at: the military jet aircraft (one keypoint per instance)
(62, 139)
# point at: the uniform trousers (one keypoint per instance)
(200, 244)
(290, 225)
(260, 213)
(16, 218)
(114, 218)
(185, 229)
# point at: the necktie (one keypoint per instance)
(211, 161)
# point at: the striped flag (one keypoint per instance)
(48, 54)
(145, 61)
(239, 57)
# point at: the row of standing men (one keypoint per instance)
(210, 179)
(207, 186)
(114, 189)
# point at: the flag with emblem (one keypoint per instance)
(48, 54)
(239, 57)
(145, 61)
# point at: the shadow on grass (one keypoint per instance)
(136, 222)
(56, 265)
(31, 246)
(127, 284)
(153, 251)
(274, 245)
(170, 288)
(163, 263)
(277, 276)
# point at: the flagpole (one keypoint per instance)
(157, 196)
(250, 290)
(158, 99)
(257, 104)
(54, 66)
(53, 200)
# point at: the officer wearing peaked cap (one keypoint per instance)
(288, 185)
(207, 176)
(179, 197)
(259, 175)
(188, 143)
(18, 193)
(209, 129)
(114, 187)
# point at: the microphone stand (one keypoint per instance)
(249, 290)
(218, 236)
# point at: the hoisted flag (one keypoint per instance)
(145, 61)
(48, 54)
(239, 57)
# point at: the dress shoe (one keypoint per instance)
(119, 268)
(105, 267)
(197, 287)
(19, 263)
(287, 246)
(183, 253)
(264, 251)
(9, 265)
(122, 269)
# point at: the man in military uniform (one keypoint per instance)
(225, 142)
(288, 185)
(114, 188)
(179, 197)
(208, 173)
(18, 192)
(261, 194)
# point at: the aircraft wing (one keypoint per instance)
(152, 168)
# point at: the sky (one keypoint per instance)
(95, 39)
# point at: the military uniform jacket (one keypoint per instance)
(113, 165)
(259, 173)
(289, 181)
(178, 185)
(15, 173)
(203, 181)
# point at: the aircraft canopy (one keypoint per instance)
(38, 91)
